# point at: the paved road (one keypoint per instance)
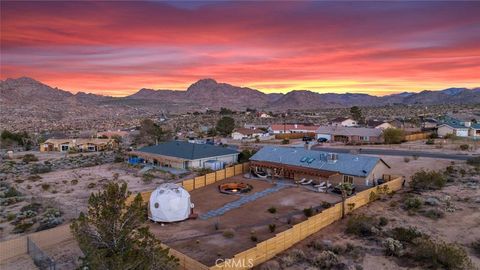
(390, 152)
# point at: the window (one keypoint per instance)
(348, 179)
(363, 138)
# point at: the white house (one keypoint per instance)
(458, 128)
(246, 133)
(344, 122)
(291, 128)
(379, 124)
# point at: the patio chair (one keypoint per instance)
(301, 181)
(320, 185)
(307, 182)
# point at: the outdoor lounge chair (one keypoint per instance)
(307, 182)
(321, 189)
(301, 181)
(320, 185)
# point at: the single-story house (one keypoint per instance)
(299, 163)
(374, 123)
(458, 128)
(291, 128)
(344, 122)
(183, 155)
(80, 145)
(350, 134)
(246, 133)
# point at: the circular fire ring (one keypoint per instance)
(234, 188)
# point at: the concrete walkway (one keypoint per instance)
(243, 200)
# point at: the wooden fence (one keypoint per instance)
(201, 181)
(262, 252)
(292, 136)
(417, 136)
(266, 250)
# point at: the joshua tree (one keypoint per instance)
(346, 189)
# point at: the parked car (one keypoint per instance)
(307, 139)
(322, 140)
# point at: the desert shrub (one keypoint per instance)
(254, 238)
(317, 245)
(434, 213)
(34, 177)
(464, 147)
(31, 207)
(147, 178)
(440, 254)
(428, 180)
(393, 247)
(11, 216)
(272, 227)
(204, 171)
(430, 142)
(39, 168)
(285, 141)
(293, 257)
(412, 203)
(360, 225)
(308, 212)
(91, 185)
(406, 235)
(272, 210)
(474, 161)
(326, 260)
(406, 159)
(74, 181)
(270, 265)
(326, 205)
(338, 249)
(11, 192)
(382, 221)
(228, 233)
(22, 227)
(476, 246)
(415, 157)
(45, 186)
(29, 158)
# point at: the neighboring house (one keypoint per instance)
(246, 133)
(344, 122)
(374, 123)
(299, 163)
(350, 134)
(263, 115)
(291, 128)
(80, 145)
(429, 124)
(182, 155)
(458, 128)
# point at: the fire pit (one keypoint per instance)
(234, 188)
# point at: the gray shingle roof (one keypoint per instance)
(349, 131)
(186, 150)
(350, 164)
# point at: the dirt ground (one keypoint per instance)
(68, 190)
(199, 238)
(400, 167)
(461, 226)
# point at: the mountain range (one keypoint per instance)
(207, 93)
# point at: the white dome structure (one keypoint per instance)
(169, 203)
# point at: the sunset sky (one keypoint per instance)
(116, 48)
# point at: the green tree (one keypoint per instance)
(225, 125)
(356, 114)
(393, 135)
(113, 235)
(245, 155)
(151, 133)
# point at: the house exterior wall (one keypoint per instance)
(444, 131)
(238, 136)
(227, 159)
(461, 132)
(345, 123)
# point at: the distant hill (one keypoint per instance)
(207, 93)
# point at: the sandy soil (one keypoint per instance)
(461, 226)
(407, 169)
(69, 190)
(199, 239)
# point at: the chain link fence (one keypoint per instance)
(40, 258)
